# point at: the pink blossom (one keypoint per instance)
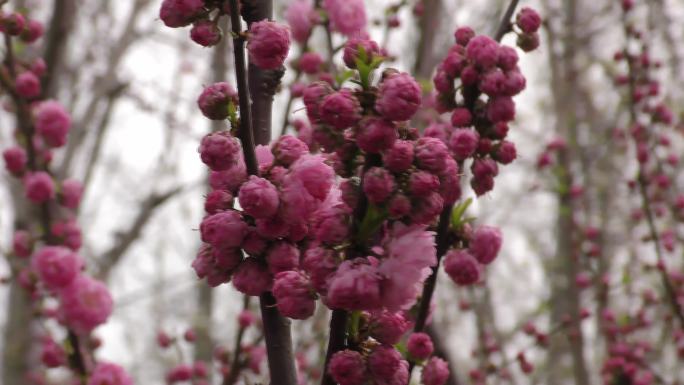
(463, 35)
(426, 210)
(287, 149)
(399, 157)
(506, 152)
(223, 229)
(409, 254)
(383, 362)
(56, 266)
(355, 286)
(205, 33)
(348, 367)
(331, 223)
(230, 179)
(178, 373)
(33, 31)
(422, 183)
(179, 13)
(388, 327)
(528, 41)
(320, 264)
(399, 206)
(378, 184)
(22, 244)
(508, 58)
(485, 243)
(435, 372)
(436, 130)
(282, 256)
(292, 291)
(376, 134)
(215, 99)
(450, 186)
(483, 51)
(85, 304)
(218, 200)
(52, 355)
(39, 187)
(346, 16)
(528, 20)
(71, 193)
(431, 154)
(220, 150)
(252, 277)
(15, 160)
(312, 98)
(52, 123)
(109, 374)
(399, 97)
(353, 48)
(461, 117)
(27, 85)
(462, 267)
(314, 175)
(13, 24)
(340, 109)
(310, 62)
(301, 16)
(246, 318)
(463, 143)
(258, 197)
(68, 232)
(419, 346)
(275, 227)
(268, 44)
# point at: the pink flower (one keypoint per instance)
(27, 85)
(310, 62)
(39, 187)
(52, 355)
(409, 254)
(109, 374)
(287, 149)
(399, 206)
(463, 143)
(422, 183)
(331, 223)
(301, 16)
(461, 117)
(399, 97)
(56, 266)
(246, 318)
(376, 134)
(399, 157)
(68, 232)
(85, 304)
(22, 244)
(436, 130)
(219, 150)
(268, 45)
(508, 58)
(506, 152)
(33, 31)
(215, 99)
(485, 244)
(388, 327)
(340, 109)
(353, 48)
(223, 229)
(346, 16)
(426, 210)
(348, 367)
(500, 109)
(314, 175)
(52, 123)
(435, 372)
(230, 179)
(493, 82)
(450, 186)
(483, 51)
(462, 267)
(205, 33)
(463, 35)
(282, 256)
(15, 160)
(320, 264)
(252, 277)
(72, 190)
(179, 13)
(259, 198)
(419, 346)
(13, 23)
(218, 200)
(383, 362)
(292, 291)
(528, 20)
(431, 154)
(354, 286)
(378, 184)
(178, 373)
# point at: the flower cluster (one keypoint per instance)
(47, 261)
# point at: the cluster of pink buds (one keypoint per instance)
(47, 261)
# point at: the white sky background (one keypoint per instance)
(153, 285)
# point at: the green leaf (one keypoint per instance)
(457, 213)
(344, 76)
(373, 219)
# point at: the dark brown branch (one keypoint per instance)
(61, 23)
